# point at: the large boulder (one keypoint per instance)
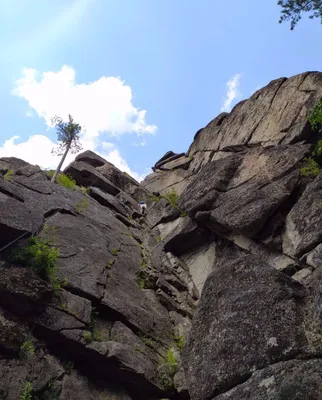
(124, 181)
(166, 181)
(12, 334)
(295, 379)
(22, 291)
(15, 218)
(241, 192)
(12, 163)
(86, 175)
(302, 233)
(232, 336)
(166, 157)
(41, 371)
(108, 200)
(76, 386)
(119, 178)
(180, 162)
(91, 158)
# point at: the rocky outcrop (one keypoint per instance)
(248, 334)
(105, 175)
(214, 294)
(118, 314)
(252, 247)
(169, 173)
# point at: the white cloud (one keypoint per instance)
(142, 143)
(232, 92)
(103, 108)
(37, 150)
(114, 157)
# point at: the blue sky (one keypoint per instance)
(141, 76)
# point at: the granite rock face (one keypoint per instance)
(214, 294)
(117, 315)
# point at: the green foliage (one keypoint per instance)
(138, 349)
(179, 341)
(8, 175)
(292, 10)
(41, 257)
(166, 381)
(143, 281)
(110, 263)
(155, 198)
(317, 152)
(167, 370)
(27, 391)
(88, 337)
(27, 348)
(94, 317)
(81, 205)
(144, 263)
(148, 341)
(171, 362)
(66, 181)
(67, 135)
(158, 239)
(115, 251)
(97, 335)
(312, 164)
(83, 189)
(172, 198)
(315, 118)
(311, 168)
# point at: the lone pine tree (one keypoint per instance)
(68, 139)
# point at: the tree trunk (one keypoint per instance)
(53, 179)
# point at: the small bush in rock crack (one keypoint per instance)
(81, 205)
(66, 181)
(143, 281)
(172, 198)
(310, 168)
(41, 257)
(27, 390)
(180, 341)
(167, 370)
(115, 251)
(88, 337)
(8, 175)
(315, 118)
(27, 348)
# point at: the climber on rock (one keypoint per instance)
(142, 206)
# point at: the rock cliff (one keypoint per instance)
(214, 294)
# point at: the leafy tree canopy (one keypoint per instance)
(67, 135)
(292, 10)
